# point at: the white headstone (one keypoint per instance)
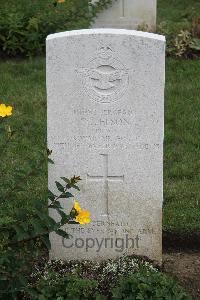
(128, 14)
(105, 123)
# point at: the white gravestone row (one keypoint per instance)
(127, 14)
(105, 123)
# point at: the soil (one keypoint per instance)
(183, 241)
(185, 266)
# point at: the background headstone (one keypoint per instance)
(105, 123)
(128, 14)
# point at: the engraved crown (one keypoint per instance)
(105, 52)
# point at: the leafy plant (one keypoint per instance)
(150, 286)
(22, 238)
(106, 273)
(65, 288)
(128, 277)
(195, 44)
(24, 235)
(25, 24)
(181, 42)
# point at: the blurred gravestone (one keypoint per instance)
(128, 14)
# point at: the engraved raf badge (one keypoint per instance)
(106, 78)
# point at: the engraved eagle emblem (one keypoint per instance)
(104, 78)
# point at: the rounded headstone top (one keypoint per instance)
(106, 31)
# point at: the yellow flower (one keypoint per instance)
(61, 1)
(83, 217)
(5, 110)
(76, 206)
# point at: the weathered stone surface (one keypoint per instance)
(128, 14)
(105, 123)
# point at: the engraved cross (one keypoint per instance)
(123, 8)
(105, 178)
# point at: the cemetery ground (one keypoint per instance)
(23, 85)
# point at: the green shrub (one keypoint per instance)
(106, 273)
(146, 285)
(125, 278)
(183, 42)
(65, 288)
(25, 24)
(24, 232)
(22, 238)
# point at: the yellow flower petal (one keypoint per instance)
(83, 217)
(2, 110)
(5, 110)
(9, 110)
(76, 206)
(61, 1)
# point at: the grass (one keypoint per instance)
(22, 83)
(182, 138)
(182, 146)
(177, 13)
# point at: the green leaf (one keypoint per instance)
(23, 280)
(66, 195)
(55, 204)
(41, 214)
(72, 222)
(75, 187)
(195, 44)
(60, 187)
(49, 222)
(39, 204)
(51, 196)
(21, 234)
(66, 180)
(38, 226)
(25, 226)
(62, 233)
(22, 214)
(50, 161)
(2, 129)
(45, 240)
(64, 217)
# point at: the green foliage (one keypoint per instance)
(24, 234)
(181, 161)
(177, 13)
(64, 288)
(114, 269)
(195, 44)
(179, 22)
(21, 239)
(180, 44)
(25, 24)
(150, 286)
(144, 282)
